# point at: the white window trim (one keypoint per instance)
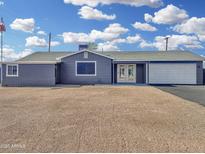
(76, 72)
(17, 67)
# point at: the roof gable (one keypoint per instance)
(96, 53)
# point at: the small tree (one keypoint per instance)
(92, 46)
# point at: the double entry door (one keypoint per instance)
(126, 73)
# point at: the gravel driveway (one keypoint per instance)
(99, 119)
(192, 93)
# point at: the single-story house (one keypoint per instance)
(88, 67)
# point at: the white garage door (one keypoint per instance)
(172, 73)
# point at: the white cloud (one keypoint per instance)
(87, 12)
(169, 15)
(113, 31)
(1, 3)
(145, 44)
(113, 44)
(41, 32)
(133, 39)
(144, 27)
(110, 35)
(201, 38)
(100, 35)
(193, 25)
(116, 29)
(26, 25)
(107, 46)
(175, 42)
(10, 55)
(136, 3)
(55, 43)
(128, 40)
(148, 17)
(35, 41)
(118, 41)
(70, 37)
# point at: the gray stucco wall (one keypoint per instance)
(200, 73)
(103, 74)
(31, 75)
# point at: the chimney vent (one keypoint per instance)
(83, 47)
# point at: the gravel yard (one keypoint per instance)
(99, 119)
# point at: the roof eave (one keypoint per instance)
(32, 62)
(132, 60)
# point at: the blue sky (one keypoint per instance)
(116, 25)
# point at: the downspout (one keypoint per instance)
(147, 72)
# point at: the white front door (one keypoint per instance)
(126, 73)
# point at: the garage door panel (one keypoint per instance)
(172, 73)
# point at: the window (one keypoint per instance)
(12, 70)
(86, 68)
(122, 71)
(86, 55)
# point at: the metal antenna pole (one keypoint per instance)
(2, 29)
(49, 45)
(1, 58)
(1, 46)
(167, 42)
(2, 42)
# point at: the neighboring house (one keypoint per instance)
(87, 67)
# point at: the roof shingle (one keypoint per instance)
(121, 56)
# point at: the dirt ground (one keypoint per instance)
(99, 119)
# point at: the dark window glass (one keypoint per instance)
(86, 68)
(12, 70)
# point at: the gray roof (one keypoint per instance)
(155, 56)
(121, 56)
(44, 56)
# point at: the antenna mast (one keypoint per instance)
(167, 42)
(49, 43)
(2, 29)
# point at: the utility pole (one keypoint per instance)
(167, 42)
(49, 43)
(2, 29)
(1, 46)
